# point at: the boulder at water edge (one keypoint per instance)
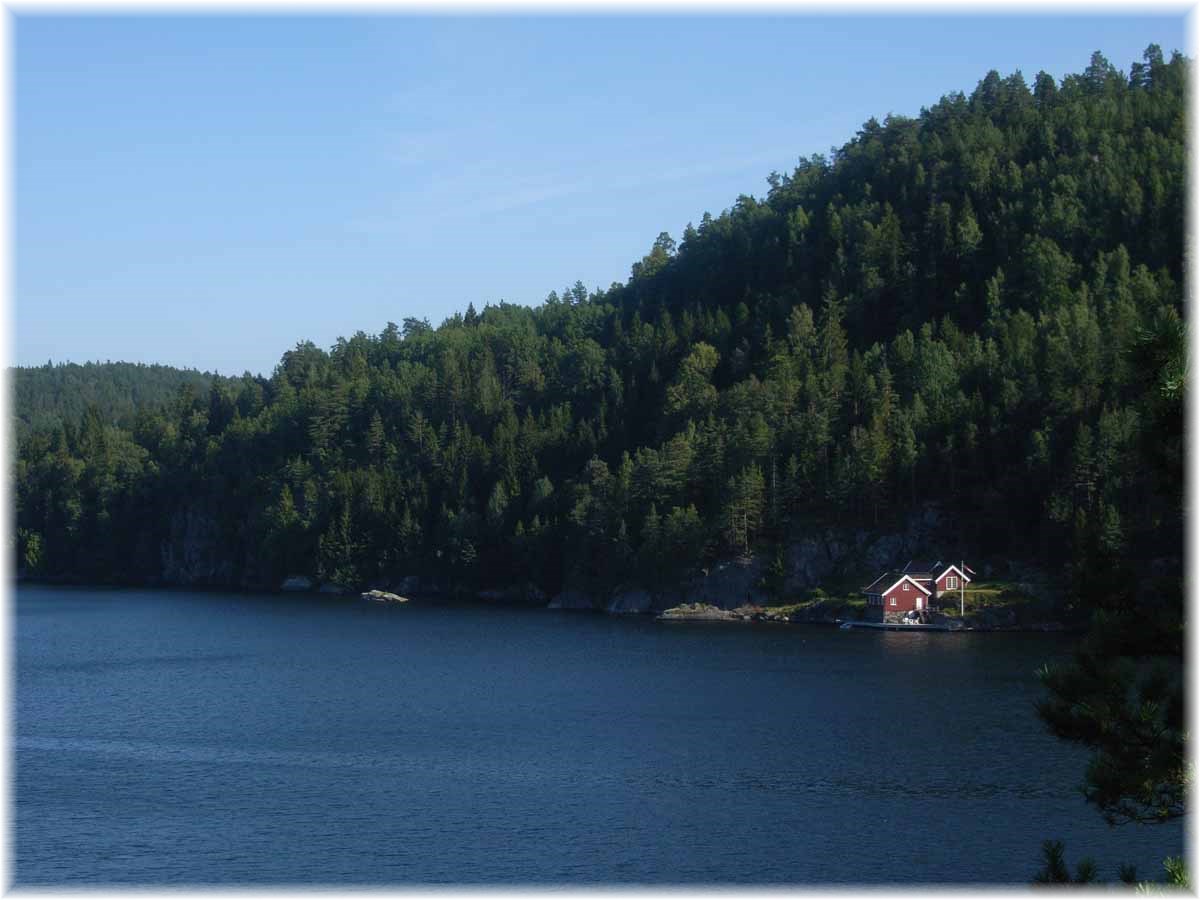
(378, 596)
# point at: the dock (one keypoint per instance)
(897, 626)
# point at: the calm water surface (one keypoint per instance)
(167, 737)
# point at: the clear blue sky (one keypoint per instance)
(206, 192)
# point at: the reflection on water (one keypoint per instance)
(186, 738)
(137, 662)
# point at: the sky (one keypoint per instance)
(208, 191)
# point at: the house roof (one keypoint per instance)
(874, 586)
(953, 568)
(889, 580)
(921, 567)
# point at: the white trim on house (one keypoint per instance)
(909, 578)
(953, 568)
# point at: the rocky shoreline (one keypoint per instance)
(819, 571)
(997, 621)
(632, 602)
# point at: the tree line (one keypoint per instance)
(980, 307)
(49, 396)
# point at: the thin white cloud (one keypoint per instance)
(699, 170)
(529, 192)
(417, 147)
(487, 187)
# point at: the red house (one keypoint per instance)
(940, 577)
(896, 592)
(915, 590)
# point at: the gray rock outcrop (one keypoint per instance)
(697, 612)
(729, 584)
(884, 552)
(819, 612)
(571, 599)
(193, 553)
(377, 596)
(810, 563)
(830, 553)
(631, 601)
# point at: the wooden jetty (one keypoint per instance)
(897, 626)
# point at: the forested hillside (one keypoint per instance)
(50, 396)
(979, 307)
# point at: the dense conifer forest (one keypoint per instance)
(980, 307)
(46, 397)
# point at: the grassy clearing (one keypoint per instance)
(848, 602)
(991, 595)
(838, 605)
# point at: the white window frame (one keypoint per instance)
(893, 599)
(905, 586)
(951, 582)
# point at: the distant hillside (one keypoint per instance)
(978, 309)
(50, 395)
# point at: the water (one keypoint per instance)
(168, 737)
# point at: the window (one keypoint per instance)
(906, 585)
(951, 582)
(893, 601)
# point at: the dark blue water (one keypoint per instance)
(198, 738)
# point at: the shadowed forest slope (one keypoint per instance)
(980, 307)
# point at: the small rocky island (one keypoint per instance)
(378, 596)
(707, 612)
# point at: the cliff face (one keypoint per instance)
(194, 553)
(198, 553)
(810, 561)
(834, 553)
